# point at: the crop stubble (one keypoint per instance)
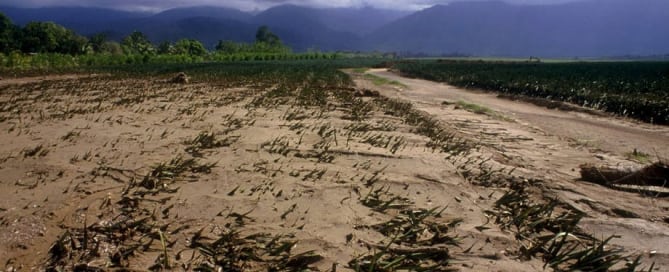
(261, 169)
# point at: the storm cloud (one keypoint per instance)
(249, 5)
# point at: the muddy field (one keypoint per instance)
(105, 172)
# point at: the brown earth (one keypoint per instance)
(75, 150)
(551, 144)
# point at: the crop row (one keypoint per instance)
(633, 89)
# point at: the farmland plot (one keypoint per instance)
(265, 168)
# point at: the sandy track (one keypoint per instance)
(550, 145)
(608, 134)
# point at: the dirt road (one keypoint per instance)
(550, 145)
(608, 134)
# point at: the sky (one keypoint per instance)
(248, 5)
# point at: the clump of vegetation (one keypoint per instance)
(478, 109)
(638, 156)
(551, 231)
(208, 140)
(418, 238)
(360, 109)
(380, 200)
(38, 150)
(232, 251)
(166, 172)
(387, 258)
(379, 81)
(475, 108)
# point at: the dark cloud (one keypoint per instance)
(156, 5)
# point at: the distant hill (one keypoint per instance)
(82, 20)
(205, 29)
(590, 28)
(204, 11)
(326, 29)
(359, 21)
(299, 27)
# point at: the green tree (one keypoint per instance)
(166, 48)
(264, 35)
(8, 35)
(229, 47)
(111, 47)
(266, 41)
(48, 37)
(74, 44)
(190, 47)
(137, 43)
(97, 41)
(38, 37)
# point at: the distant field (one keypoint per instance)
(634, 89)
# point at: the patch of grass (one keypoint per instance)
(386, 258)
(565, 255)
(418, 241)
(638, 156)
(380, 81)
(232, 251)
(360, 70)
(382, 199)
(475, 108)
(158, 177)
(478, 109)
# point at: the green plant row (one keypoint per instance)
(16, 62)
(633, 89)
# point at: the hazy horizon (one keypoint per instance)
(256, 5)
(583, 28)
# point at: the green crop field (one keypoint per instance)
(633, 89)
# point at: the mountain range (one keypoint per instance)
(588, 28)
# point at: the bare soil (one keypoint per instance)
(76, 148)
(551, 144)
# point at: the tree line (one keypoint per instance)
(49, 38)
